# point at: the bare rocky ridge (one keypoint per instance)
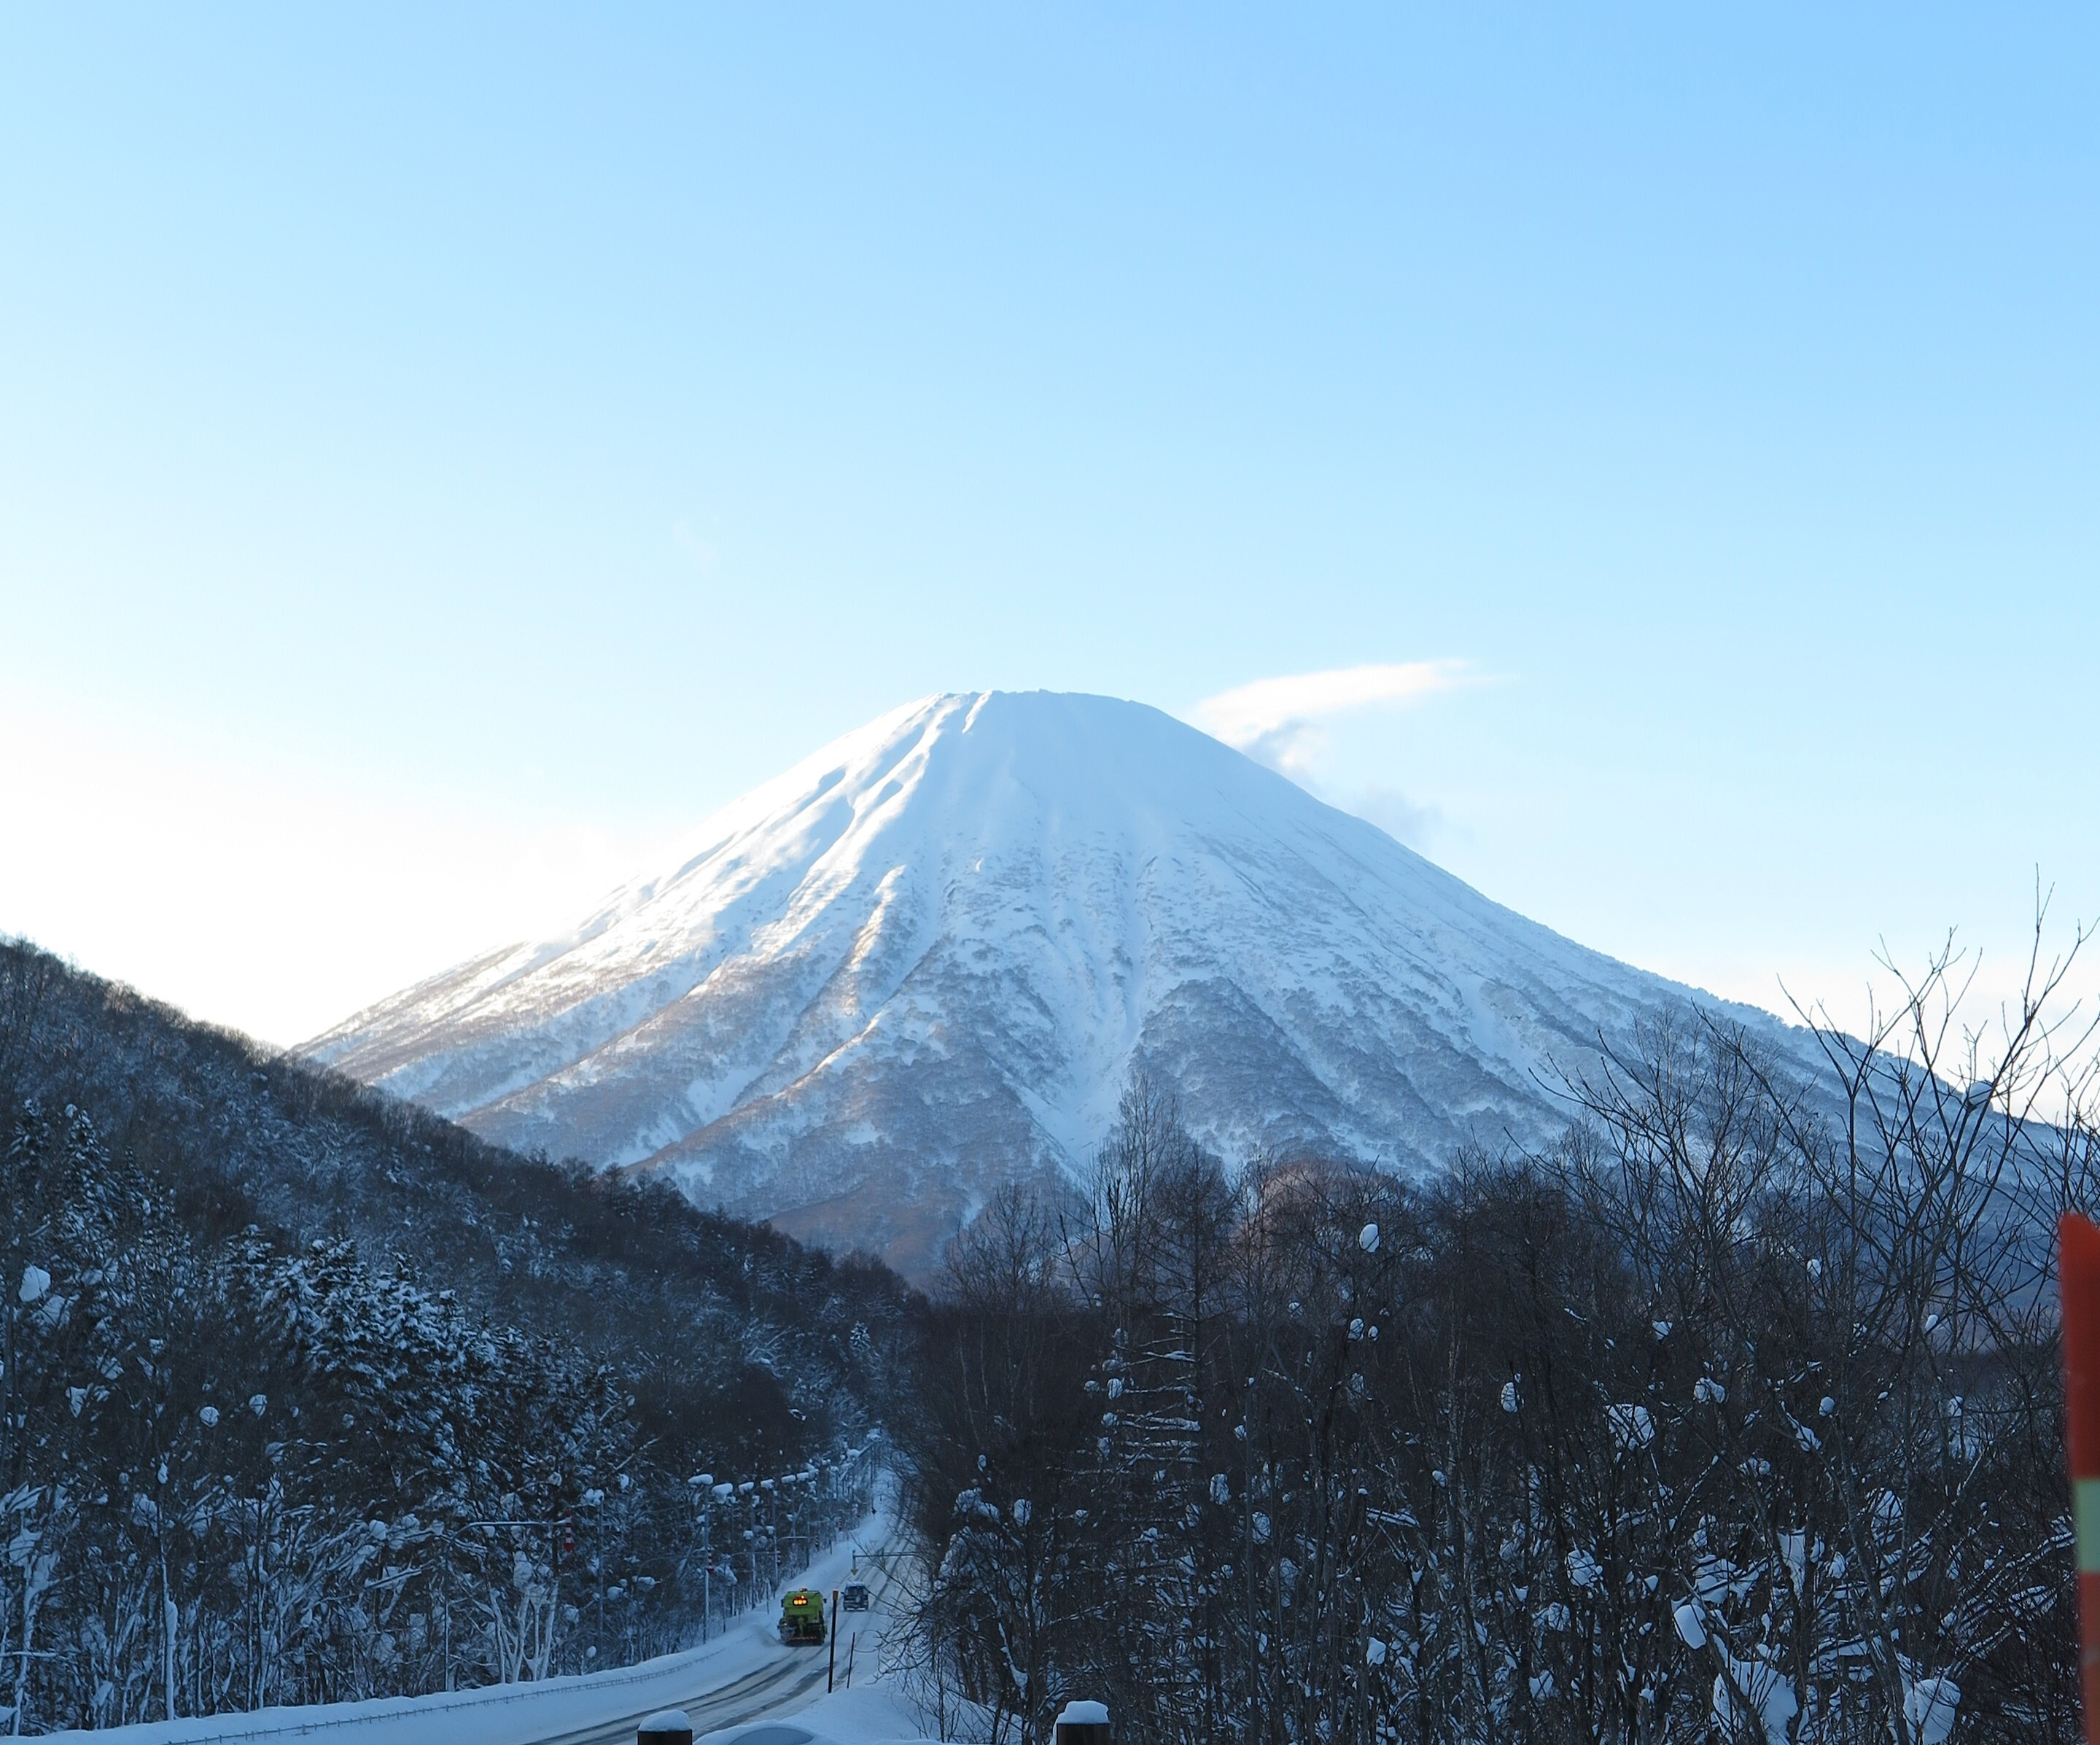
(925, 959)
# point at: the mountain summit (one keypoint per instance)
(926, 959)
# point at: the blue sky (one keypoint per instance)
(444, 451)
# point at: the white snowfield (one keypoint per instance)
(926, 958)
(743, 1686)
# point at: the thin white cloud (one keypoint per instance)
(1250, 711)
(1401, 818)
(1281, 722)
(1278, 720)
(700, 551)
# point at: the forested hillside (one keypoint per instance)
(1725, 1419)
(309, 1395)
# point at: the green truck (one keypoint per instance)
(802, 1619)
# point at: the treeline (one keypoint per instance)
(1735, 1416)
(306, 1396)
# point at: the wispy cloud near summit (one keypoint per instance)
(1282, 722)
(1279, 721)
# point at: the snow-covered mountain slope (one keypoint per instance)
(927, 957)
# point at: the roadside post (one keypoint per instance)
(831, 1644)
(1082, 1724)
(669, 1726)
(2078, 1276)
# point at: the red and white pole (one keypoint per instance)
(2078, 1276)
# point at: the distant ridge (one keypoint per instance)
(925, 961)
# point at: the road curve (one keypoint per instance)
(793, 1682)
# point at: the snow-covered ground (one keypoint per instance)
(736, 1687)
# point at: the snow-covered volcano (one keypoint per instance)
(926, 959)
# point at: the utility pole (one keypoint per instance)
(169, 1616)
(2078, 1276)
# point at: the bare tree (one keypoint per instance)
(1734, 1414)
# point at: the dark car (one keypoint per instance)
(854, 1599)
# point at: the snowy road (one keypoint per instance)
(742, 1675)
(767, 1693)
